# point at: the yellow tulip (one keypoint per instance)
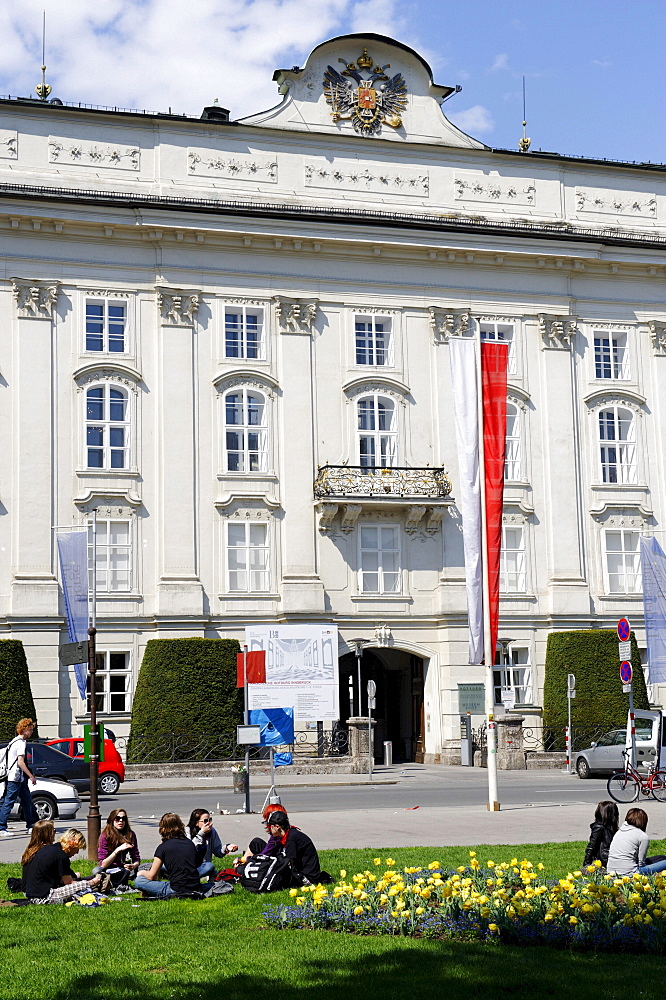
(376, 861)
(300, 900)
(493, 928)
(358, 910)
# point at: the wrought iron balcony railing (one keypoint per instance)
(341, 482)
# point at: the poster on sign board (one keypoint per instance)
(301, 670)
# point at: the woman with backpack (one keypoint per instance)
(206, 839)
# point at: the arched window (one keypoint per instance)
(377, 433)
(617, 445)
(107, 427)
(513, 460)
(246, 431)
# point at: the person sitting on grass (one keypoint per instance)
(206, 839)
(628, 849)
(117, 850)
(602, 831)
(178, 855)
(47, 874)
(297, 847)
(257, 845)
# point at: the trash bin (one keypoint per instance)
(388, 753)
(240, 781)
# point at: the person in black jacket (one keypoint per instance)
(602, 831)
(297, 847)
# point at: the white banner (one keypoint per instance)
(462, 353)
(301, 670)
(653, 568)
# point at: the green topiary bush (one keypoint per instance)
(600, 703)
(16, 701)
(186, 699)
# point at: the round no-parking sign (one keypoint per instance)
(625, 672)
(623, 629)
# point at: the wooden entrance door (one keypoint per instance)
(418, 712)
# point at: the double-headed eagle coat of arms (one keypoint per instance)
(364, 94)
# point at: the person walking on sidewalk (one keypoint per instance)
(16, 785)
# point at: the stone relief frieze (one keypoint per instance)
(446, 323)
(178, 307)
(92, 154)
(621, 203)
(240, 167)
(8, 144)
(346, 176)
(495, 191)
(557, 331)
(657, 336)
(295, 315)
(35, 299)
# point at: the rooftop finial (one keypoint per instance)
(43, 89)
(524, 143)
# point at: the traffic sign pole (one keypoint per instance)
(626, 673)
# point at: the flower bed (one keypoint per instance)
(513, 902)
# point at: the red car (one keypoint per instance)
(111, 769)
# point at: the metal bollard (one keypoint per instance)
(388, 753)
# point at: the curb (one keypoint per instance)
(257, 785)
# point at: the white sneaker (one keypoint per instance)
(6, 833)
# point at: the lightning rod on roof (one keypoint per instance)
(524, 143)
(43, 89)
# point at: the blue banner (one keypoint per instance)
(73, 553)
(653, 568)
(276, 729)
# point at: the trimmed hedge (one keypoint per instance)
(592, 656)
(16, 701)
(186, 687)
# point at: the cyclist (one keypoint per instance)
(628, 850)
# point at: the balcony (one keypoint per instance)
(352, 488)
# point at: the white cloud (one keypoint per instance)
(602, 62)
(157, 54)
(501, 62)
(476, 120)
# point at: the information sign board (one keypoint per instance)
(472, 699)
(301, 670)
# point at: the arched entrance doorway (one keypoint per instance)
(398, 711)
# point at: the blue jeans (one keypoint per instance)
(156, 888)
(207, 870)
(657, 866)
(20, 790)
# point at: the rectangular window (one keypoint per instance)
(512, 461)
(113, 682)
(623, 562)
(248, 557)
(243, 332)
(106, 323)
(374, 343)
(617, 445)
(516, 674)
(611, 356)
(502, 332)
(379, 559)
(513, 566)
(114, 555)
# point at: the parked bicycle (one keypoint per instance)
(626, 785)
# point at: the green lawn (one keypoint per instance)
(219, 948)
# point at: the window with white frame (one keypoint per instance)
(513, 459)
(503, 332)
(377, 432)
(244, 332)
(107, 427)
(516, 674)
(611, 355)
(623, 561)
(113, 554)
(106, 325)
(379, 559)
(374, 341)
(617, 445)
(248, 560)
(245, 431)
(113, 683)
(513, 563)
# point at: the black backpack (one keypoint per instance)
(264, 873)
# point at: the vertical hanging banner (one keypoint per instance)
(494, 366)
(465, 384)
(653, 569)
(73, 555)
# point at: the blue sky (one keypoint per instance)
(594, 69)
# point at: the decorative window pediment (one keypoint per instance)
(107, 372)
(249, 377)
(110, 502)
(615, 397)
(384, 384)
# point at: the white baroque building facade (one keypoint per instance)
(230, 338)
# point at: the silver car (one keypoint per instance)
(605, 755)
(53, 799)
